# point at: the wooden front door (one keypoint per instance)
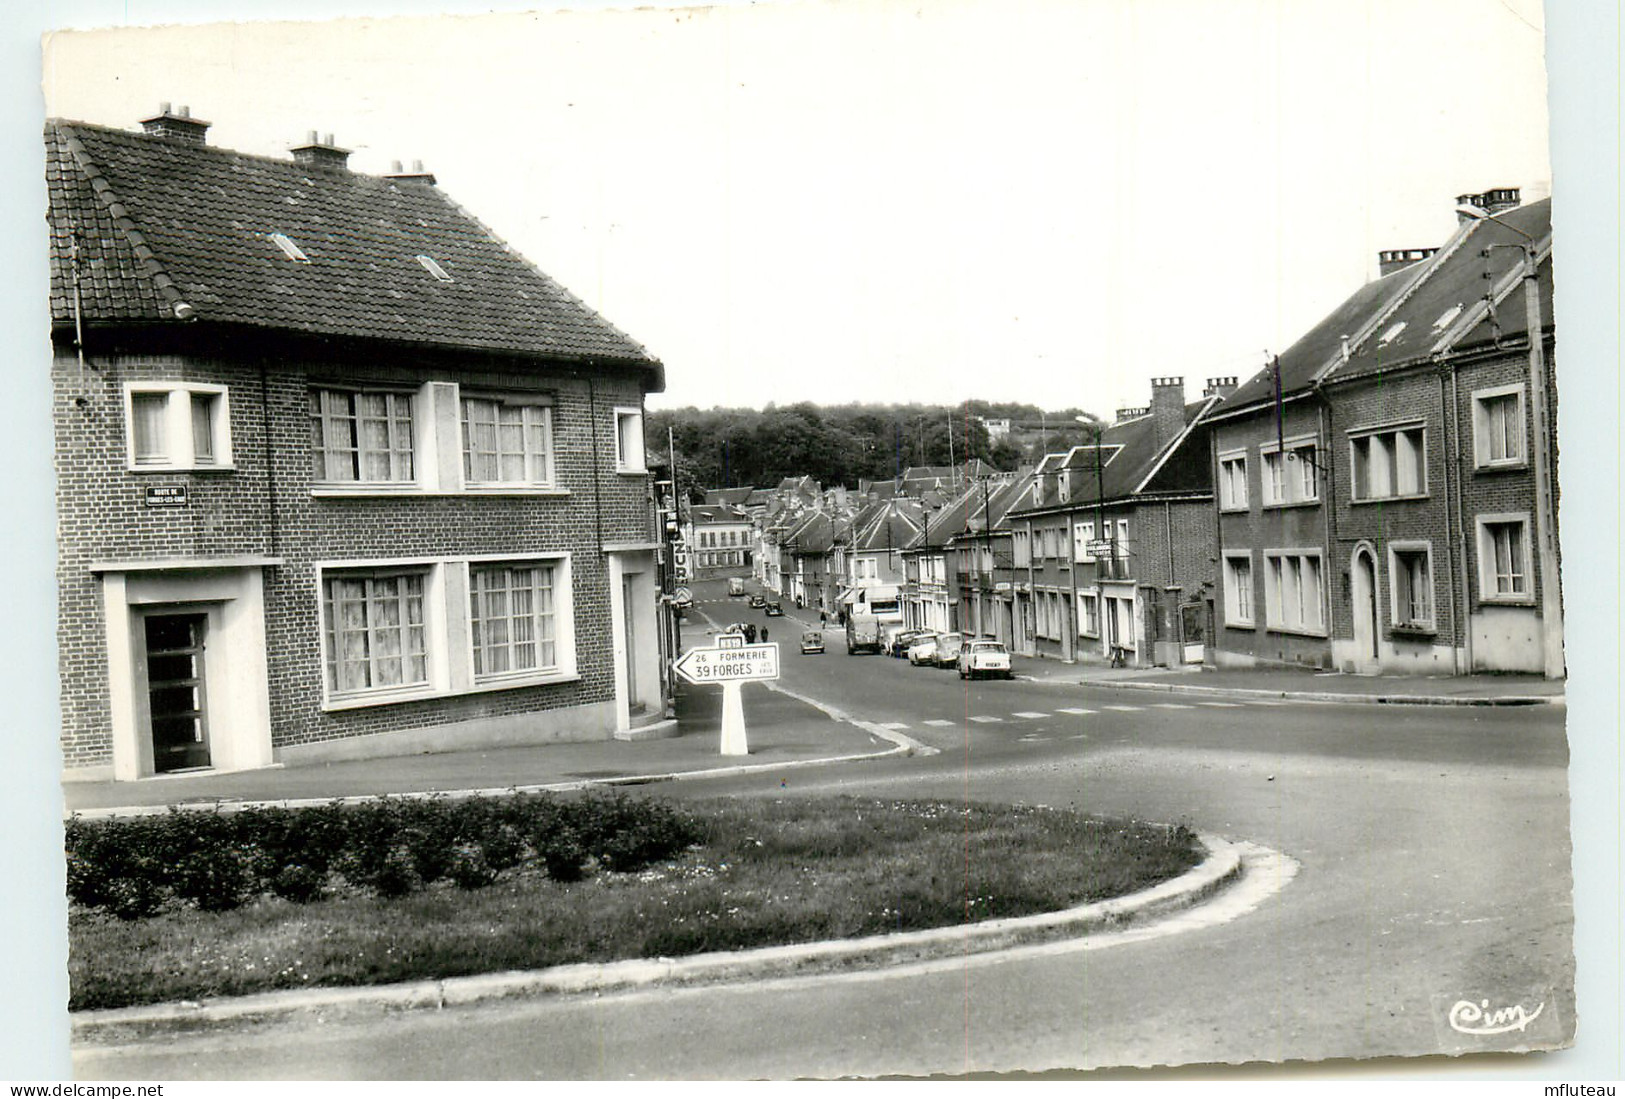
(175, 697)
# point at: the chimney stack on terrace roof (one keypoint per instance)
(1497, 200)
(416, 176)
(1219, 387)
(321, 153)
(177, 124)
(1168, 408)
(1126, 414)
(1395, 259)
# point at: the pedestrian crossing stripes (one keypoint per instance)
(1173, 706)
(894, 724)
(1079, 711)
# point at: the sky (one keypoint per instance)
(1050, 201)
(919, 202)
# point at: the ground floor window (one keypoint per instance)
(1294, 592)
(1410, 570)
(1503, 559)
(1238, 589)
(512, 611)
(394, 631)
(375, 636)
(1088, 614)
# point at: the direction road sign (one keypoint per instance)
(1100, 548)
(741, 664)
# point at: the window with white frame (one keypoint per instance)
(1388, 463)
(1082, 534)
(1498, 427)
(176, 425)
(361, 436)
(1238, 589)
(1233, 481)
(629, 440)
(374, 627)
(1503, 559)
(1294, 595)
(1122, 538)
(512, 615)
(507, 441)
(1410, 572)
(1289, 475)
(1088, 614)
(1021, 549)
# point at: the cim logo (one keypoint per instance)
(1467, 1017)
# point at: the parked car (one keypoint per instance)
(980, 657)
(923, 650)
(947, 652)
(901, 641)
(775, 609)
(757, 601)
(812, 641)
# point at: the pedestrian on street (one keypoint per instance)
(750, 633)
(764, 635)
(823, 619)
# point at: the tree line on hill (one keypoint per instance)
(843, 444)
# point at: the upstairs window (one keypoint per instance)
(1233, 482)
(1290, 476)
(1498, 431)
(1388, 464)
(629, 440)
(361, 436)
(506, 441)
(177, 426)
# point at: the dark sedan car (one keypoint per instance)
(774, 609)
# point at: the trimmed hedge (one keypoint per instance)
(219, 859)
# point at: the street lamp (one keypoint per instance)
(1551, 605)
(1106, 620)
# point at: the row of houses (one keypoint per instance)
(338, 473)
(1379, 498)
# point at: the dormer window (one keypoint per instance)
(434, 268)
(289, 248)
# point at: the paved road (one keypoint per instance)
(1434, 867)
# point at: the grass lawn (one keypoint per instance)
(766, 873)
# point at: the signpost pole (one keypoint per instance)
(733, 720)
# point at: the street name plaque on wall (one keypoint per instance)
(166, 496)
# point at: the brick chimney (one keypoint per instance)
(1396, 259)
(1126, 414)
(322, 153)
(1219, 387)
(1497, 200)
(1168, 408)
(416, 176)
(177, 124)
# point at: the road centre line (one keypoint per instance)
(939, 723)
(1028, 714)
(894, 724)
(1173, 706)
(985, 718)
(1126, 709)
(1073, 710)
(1224, 705)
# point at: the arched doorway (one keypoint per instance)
(1364, 574)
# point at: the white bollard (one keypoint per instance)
(733, 720)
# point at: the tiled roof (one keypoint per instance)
(1129, 453)
(1397, 319)
(728, 495)
(161, 221)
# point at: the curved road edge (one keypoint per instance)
(1235, 878)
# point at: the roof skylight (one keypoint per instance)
(434, 268)
(1448, 315)
(289, 248)
(1392, 332)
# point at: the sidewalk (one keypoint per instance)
(782, 732)
(1303, 684)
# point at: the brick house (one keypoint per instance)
(1116, 535)
(719, 538)
(984, 572)
(872, 575)
(338, 473)
(1408, 528)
